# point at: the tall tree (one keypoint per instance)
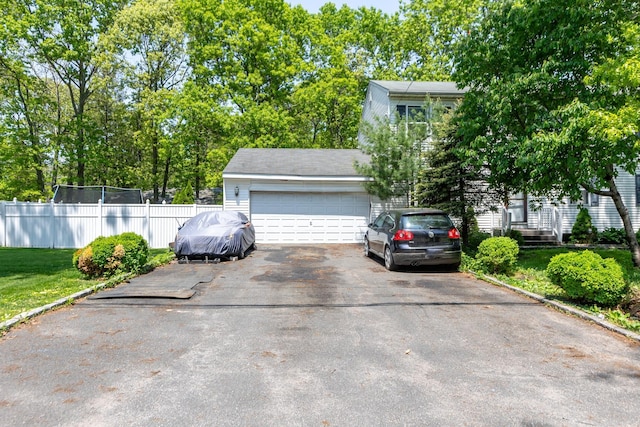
(26, 102)
(540, 95)
(149, 36)
(62, 35)
(428, 33)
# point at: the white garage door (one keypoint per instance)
(309, 217)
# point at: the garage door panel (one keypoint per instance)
(309, 217)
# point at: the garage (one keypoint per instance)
(299, 195)
(309, 217)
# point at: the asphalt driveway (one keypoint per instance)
(315, 336)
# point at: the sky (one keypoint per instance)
(387, 6)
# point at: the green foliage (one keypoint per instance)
(531, 275)
(498, 255)
(430, 29)
(155, 93)
(445, 181)
(136, 251)
(587, 277)
(184, 196)
(106, 256)
(583, 230)
(394, 158)
(616, 236)
(550, 109)
(31, 278)
(475, 238)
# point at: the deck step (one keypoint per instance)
(533, 237)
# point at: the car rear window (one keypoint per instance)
(425, 221)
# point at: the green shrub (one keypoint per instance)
(587, 277)
(498, 254)
(106, 256)
(616, 236)
(136, 251)
(473, 240)
(583, 230)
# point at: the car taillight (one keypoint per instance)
(454, 234)
(403, 235)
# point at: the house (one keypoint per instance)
(299, 195)
(385, 99)
(316, 195)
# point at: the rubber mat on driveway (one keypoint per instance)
(171, 281)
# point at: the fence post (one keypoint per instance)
(100, 213)
(3, 225)
(148, 224)
(52, 225)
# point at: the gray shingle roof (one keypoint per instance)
(295, 162)
(419, 88)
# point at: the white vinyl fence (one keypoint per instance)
(70, 226)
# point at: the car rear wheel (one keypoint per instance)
(389, 264)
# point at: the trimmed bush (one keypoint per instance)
(498, 255)
(583, 230)
(588, 278)
(135, 251)
(83, 261)
(106, 256)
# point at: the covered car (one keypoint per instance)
(219, 234)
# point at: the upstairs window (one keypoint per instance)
(412, 113)
(415, 118)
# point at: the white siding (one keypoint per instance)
(239, 203)
(603, 216)
(376, 106)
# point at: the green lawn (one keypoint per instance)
(31, 278)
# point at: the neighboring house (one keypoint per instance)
(299, 195)
(385, 99)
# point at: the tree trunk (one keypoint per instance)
(197, 174)
(634, 247)
(165, 177)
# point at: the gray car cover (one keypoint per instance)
(220, 233)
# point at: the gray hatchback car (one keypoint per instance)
(414, 237)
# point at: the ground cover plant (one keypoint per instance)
(31, 278)
(530, 274)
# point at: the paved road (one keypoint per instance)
(318, 336)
